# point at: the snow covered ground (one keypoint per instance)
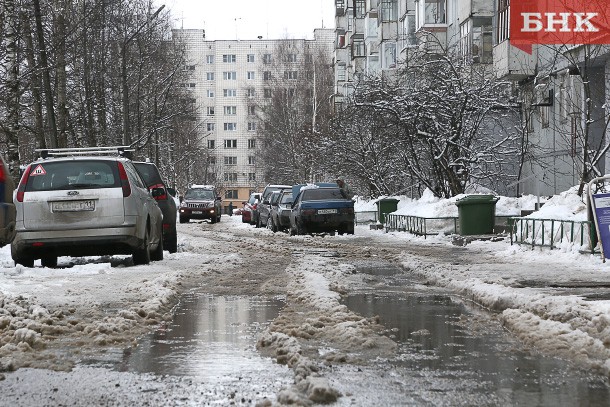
(538, 294)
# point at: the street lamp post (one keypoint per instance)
(126, 127)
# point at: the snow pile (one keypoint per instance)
(565, 206)
(314, 313)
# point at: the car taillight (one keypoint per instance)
(24, 180)
(347, 210)
(160, 197)
(254, 206)
(124, 181)
(309, 212)
(2, 173)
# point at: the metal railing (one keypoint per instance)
(552, 232)
(365, 217)
(421, 226)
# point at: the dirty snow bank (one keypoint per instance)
(313, 315)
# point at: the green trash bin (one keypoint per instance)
(477, 214)
(385, 206)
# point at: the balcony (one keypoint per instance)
(339, 7)
(511, 63)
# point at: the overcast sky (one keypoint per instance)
(247, 19)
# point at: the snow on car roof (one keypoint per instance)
(202, 186)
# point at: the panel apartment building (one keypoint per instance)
(563, 91)
(229, 79)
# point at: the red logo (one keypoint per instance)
(559, 22)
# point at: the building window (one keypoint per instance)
(212, 160)
(358, 49)
(251, 143)
(252, 110)
(210, 76)
(231, 194)
(408, 30)
(231, 176)
(250, 75)
(476, 40)
(189, 67)
(231, 143)
(189, 85)
(230, 160)
(211, 144)
(230, 110)
(291, 58)
(251, 126)
(229, 58)
(389, 55)
(210, 110)
(267, 75)
(209, 59)
(211, 126)
(229, 75)
(251, 176)
(250, 92)
(389, 10)
(251, 160)
(360, 10)
(290, 75)
(250, 58)
(229, 93)
(210, 93)
(434, 11)
(230, 126)
(267, 59)
(267, 93)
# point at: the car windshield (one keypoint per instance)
(204, 194)
(321, 194)
(253, 199)
(149, 173)
(73, 174)
(286, 198)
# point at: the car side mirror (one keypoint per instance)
(172, 191)
(156, 192)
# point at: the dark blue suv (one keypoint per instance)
(321, 208)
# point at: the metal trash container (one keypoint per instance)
(477, 214)
(385, 206)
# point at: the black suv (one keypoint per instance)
(200, 202)
(151, 176)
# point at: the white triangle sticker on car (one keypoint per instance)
(39, 170)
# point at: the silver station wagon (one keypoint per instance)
(85, 205)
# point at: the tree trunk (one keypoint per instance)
(46, 76)
(35, 84)
(12, 128)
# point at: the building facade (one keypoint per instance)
(562, 91)
(229, 79)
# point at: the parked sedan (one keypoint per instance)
(262, 206)
(85, 206)
(280, 213)
(321, 209)
(264, 216)
(249, 207)
(152, 177)
(7, 207)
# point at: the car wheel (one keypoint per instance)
(24, 261)
(172, 243)
(157, 255)
(301, 229)
(218, 219)
(213, 219)
(184, 219)
(49, 261)
(274, 227)
(142, 254)
(350, 228)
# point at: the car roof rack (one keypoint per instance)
(121, 151)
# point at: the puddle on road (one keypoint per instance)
(211, 337)
(443, 337)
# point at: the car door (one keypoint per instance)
(145, 206)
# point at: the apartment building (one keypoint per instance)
(229, 80)
(562, 91)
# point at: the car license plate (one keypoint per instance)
(197, 212)
(73, 206)
(326, 211)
